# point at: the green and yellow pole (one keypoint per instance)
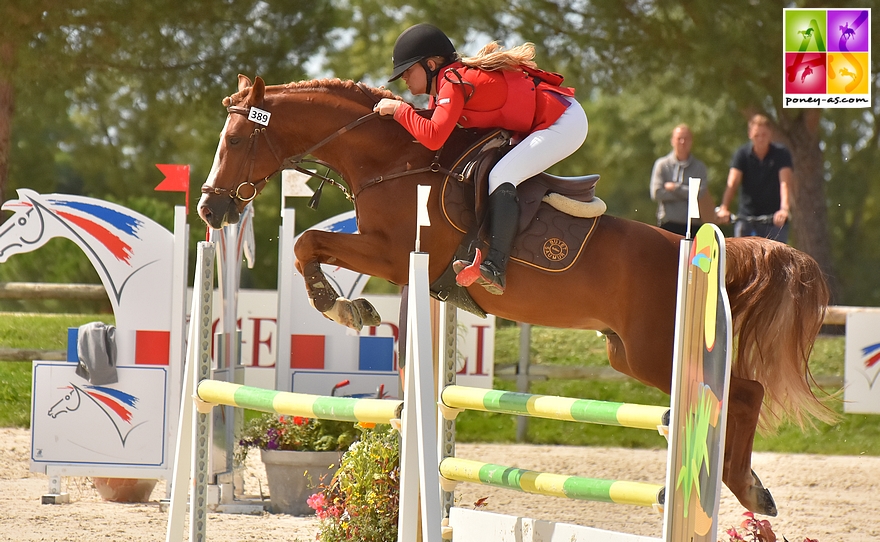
(346, 409)
(556, 408)
(558, 485)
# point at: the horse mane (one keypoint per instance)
(314, 85)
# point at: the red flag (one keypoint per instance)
(176, 180)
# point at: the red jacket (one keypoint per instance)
(507, 99)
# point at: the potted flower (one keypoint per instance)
(298, 454)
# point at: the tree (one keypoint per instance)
(112, 87)
(94, 93)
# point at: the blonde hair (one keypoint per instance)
(494, 57)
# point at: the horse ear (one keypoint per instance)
(243, 82)
(258, 91)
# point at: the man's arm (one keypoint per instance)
(780, 216)
(661, 189)
(734, 177)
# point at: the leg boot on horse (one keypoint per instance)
(503, 221)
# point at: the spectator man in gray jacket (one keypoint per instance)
(669, 183)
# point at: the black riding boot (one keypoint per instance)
(503, 221)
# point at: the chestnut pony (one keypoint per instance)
(624, 285)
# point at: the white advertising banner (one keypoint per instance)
(862, 370)
(344, 353)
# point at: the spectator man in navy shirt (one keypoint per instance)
(761, 170)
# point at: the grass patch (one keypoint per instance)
(15, 394)
(31, 331)
(856, 434)
(42, 331)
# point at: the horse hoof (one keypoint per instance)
(344, 312)
(368, 313)
(764, 503)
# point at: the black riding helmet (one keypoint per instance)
(417, 43)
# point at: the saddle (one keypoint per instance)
(557, 216)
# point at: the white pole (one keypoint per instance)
(177, 347)
(186, 431)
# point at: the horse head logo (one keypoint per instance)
(107, 233)
(69, 403)
(24, 231)
(118, 406)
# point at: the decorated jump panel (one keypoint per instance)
(558, 485)
(699, 392)
(131, 253)
(556, 408)
(313, 354)
(100, 414)
(345, 409)
(696, 418)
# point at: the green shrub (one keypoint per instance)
(363, 499)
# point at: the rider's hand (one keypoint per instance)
(722, 215)
(387, 106)
(780, 217)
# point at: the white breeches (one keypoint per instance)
(540, 150)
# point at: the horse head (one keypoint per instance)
(269, 128)
(25, 231)
(70, 402)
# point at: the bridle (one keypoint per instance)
(251, 189)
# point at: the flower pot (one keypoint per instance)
(124, 489)
(294, 476)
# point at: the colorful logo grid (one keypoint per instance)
(827, 57)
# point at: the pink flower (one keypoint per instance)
(317, 501)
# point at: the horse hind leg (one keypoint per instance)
(744, 407)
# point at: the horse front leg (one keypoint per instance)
(360, 253)
(324, 297)
(746, 397)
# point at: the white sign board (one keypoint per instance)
(76, 423)
(343, 352)
(862, 370)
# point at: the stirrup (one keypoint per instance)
(466, 273)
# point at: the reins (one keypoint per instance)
(295, 162)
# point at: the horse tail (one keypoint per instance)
(778, 297)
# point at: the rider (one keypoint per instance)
(497, 88)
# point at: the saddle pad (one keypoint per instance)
(552, 241)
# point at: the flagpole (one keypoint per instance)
(423, 218)
(693, 202)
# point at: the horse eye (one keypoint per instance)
(22, 221)
(234, 140)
